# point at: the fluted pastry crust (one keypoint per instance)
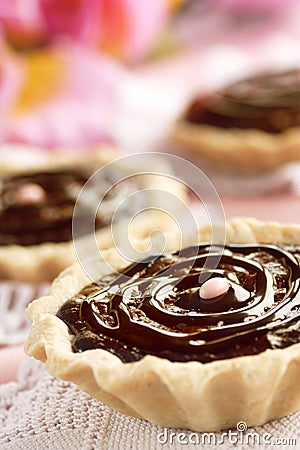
(246, 150)
(190, 395)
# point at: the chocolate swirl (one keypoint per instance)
(155, 307)
(269, 102)
(38, 207)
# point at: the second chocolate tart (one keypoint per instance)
(252, 125)
(37, 203)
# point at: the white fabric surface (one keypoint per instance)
(40, 412)
(14, 298)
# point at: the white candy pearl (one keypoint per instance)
(214, 287)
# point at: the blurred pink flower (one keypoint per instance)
(127, 28)
(253, 5)
(78, 111)
(11, 76)
(124, 27)
(23, 22)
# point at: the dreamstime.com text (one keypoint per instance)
(239, 436)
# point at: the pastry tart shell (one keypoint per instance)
(190, 395)
(43, 262)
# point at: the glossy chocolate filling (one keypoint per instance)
(154, 307)
(38, 207)
(269, 102)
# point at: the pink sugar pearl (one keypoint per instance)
(30, 193)
(214, 287)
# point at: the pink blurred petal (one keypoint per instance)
(94, 22)
(23, 20)
(24, 12)
(126, 26)
(146, 19)
(80, 114)
(64, 17)
(11, 76)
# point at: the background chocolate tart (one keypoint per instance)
(252, 124)
(38, 194)
(143, 340)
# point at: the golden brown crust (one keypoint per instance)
(249, 150)
(43, 262)
(202, 397)
(23, 159)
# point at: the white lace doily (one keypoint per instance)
(41, 412)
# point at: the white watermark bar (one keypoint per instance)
(241, 436)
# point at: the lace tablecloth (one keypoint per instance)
(41, 412)
(14, 298)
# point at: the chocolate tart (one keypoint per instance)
(251, 125)
(143, 341)
(38, 194)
